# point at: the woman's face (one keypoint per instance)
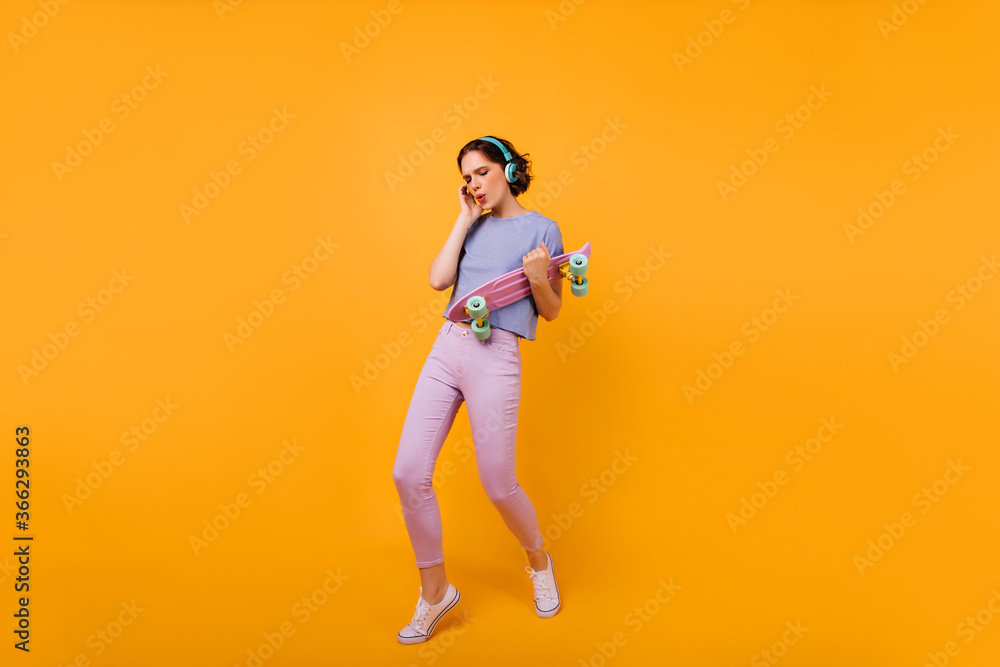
(485, 179)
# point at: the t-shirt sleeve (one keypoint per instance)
(553, 240)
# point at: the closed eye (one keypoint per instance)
(483, 172)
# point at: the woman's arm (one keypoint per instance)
(548, 296)
(444, 268)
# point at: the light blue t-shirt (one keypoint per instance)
(495, 246)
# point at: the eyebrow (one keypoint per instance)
(466, 175)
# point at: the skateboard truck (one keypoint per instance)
(574, 270)
(476, 308)
(575, 267)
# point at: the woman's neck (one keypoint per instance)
(508, 209)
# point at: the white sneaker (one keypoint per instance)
(426, 617)
(547, 600)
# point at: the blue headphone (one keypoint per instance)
(510, 168)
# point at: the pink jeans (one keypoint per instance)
(487, 376)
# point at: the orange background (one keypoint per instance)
(642, 139)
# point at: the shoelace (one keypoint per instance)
(543, 584)
(420, 612)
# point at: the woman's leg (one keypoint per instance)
(536, 559)
(493, 395)
(433, 583)
(432, 411)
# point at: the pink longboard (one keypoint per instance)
(514, 285)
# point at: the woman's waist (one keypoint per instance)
(494, 331)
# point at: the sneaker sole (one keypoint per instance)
(430, 630)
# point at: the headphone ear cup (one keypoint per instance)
(509, 172)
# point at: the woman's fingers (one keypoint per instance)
(538, 252)
(467, 202)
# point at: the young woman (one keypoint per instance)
(485, 374)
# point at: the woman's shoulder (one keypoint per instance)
(547, 225)
(541, 219)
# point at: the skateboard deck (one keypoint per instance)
(514, 285)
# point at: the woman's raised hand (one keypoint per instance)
(471, 209)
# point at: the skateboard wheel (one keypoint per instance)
(578, 264)
(579, 290)
(481, 332)
(476, 305)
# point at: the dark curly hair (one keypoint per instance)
(522, 164)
